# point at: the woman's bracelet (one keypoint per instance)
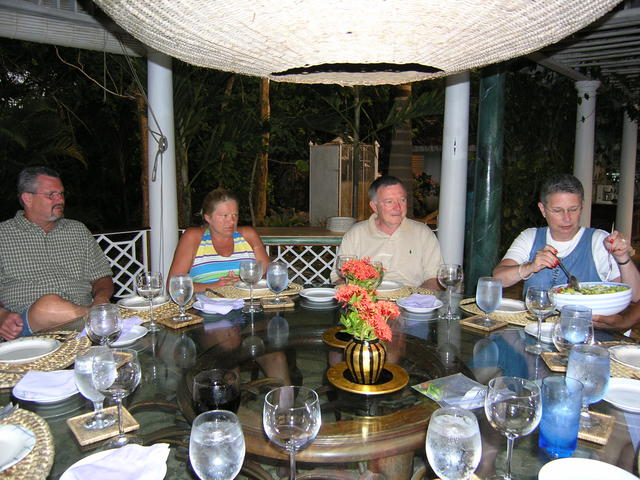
(522, 277)
(625, 262)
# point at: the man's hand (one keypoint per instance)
(10, 325)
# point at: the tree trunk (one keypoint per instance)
(402, 147)
(263, 166)
(144, 152)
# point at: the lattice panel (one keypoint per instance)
(128, 256)
(307, 263)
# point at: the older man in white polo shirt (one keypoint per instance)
(408, 250)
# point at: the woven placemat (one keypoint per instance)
(403, 292)
(38, 462)
(169, 309)
(523, 319)
(169, 322)
(552, 360)
(10, 373)
(622, 371)
(85, 436)
(229, 291)
(599, 431)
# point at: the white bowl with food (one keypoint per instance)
(603, 298)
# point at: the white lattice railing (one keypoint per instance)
(128, 254)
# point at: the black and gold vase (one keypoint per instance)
(365, 360)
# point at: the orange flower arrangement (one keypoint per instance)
(362, 273)
(366, 318)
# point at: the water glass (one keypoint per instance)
(149, 286)
(449, 276)
(216, 389)
(251, 273)
(560, 422)
(181, 291)
(340, 261)
(590, 365)
(82, 371)
(103, 324)
(488, 297)
(541, 302)
(573, 328)
(277, 280)
(216, 445)
(453, 443)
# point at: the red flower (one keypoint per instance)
(366, 318)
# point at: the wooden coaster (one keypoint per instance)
(169, 322)
(477, 322)
(600, 431)
(86, 437)
(554, 361)
(286, 302)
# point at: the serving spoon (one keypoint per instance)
(573, 281)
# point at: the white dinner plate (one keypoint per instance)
(547, 331)
(389, 286)
(582, 469)
(26, 349)
(137, 303)
(437, 304)
(260, 285)
(624, 393)
(136, 332)
(48, 400)
(510, 306)
(318, 295)
(628, 355)
(15, 443)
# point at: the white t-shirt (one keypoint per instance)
(607, 267)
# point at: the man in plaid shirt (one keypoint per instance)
(51, 268)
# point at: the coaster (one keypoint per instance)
(600, 430)
(477, 322)
(554, 361)
(169, 322)
(392, 379)
(87, 437)
(286, 302)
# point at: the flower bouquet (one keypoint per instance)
(364, 273)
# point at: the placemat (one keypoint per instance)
(551, 359)
(169, 322)
(600, 431)
(37, 464)
(169, 309)
(477, 323)
(525, 318)
(85, 436)
(10, 373)
(403, 292)
(229, 291)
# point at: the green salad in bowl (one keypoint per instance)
(597, 289)
(603, 298)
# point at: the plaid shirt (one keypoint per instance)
(64, 261)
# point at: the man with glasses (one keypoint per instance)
(51, 268)
(534, 255)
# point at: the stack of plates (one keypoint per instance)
(340, 224)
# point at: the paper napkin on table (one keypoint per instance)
(419, 301)
(131, 462)
(222, 306)
(43, 386)
(127, 325)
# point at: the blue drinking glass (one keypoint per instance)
(560, 422)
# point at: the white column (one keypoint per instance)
(585, 139)
(453, 176)
(163, 211)
(624, 212)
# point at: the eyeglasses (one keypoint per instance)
(561, 211)
(50, 195)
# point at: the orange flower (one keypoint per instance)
(366, 318)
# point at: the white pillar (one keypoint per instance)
(585, 139)
(163, 211)
(453, 176)
(624, 212)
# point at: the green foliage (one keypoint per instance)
(423, 187)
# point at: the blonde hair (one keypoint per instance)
(215, 198)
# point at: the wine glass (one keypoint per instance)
(590, 365)
(513, 406)
(541, 302)
(277, 280)
(216, 445)
(117, 375)
(216, 389)
(449, 276)
(488, 297)
(149, 286)
(250, 273)
(181, 291)
(340, 261)
(291, 419)
(573, 328)
(103, 323)
(377, 264)
(82, 370)
(453, 443)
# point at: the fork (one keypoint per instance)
(573, 281)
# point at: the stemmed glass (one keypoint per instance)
(181, 291)
(103, 323)
(541, 302)
(82, 371)
(453, 443)
(488, 297)
(449, 276)
(590, 365)
(251, 273)
(513, 406)
(149, 286)
(216, 445)
(291, 419)
(117, 375)
(340, 261)
(377, 264)
(277, 280)
(573, 328)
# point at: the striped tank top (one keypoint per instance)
(209, 266)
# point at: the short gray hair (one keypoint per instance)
(383, 181)
(28, 179)
(561, 183)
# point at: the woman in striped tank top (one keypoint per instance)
(211, 254)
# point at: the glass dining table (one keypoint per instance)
(361, 434)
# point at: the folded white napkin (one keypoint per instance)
(222, 306)
(46, 386)
(127, 325)
(131, 462)
(419, 301)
